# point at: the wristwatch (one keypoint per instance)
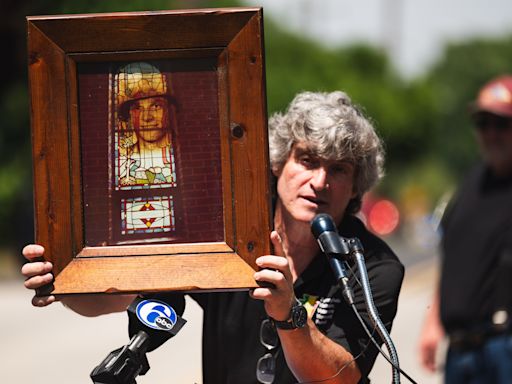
(298, 317)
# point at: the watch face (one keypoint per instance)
(299, 316)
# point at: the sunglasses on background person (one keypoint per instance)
(266, 366)
(485, 121)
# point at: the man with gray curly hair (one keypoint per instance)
(324, 156)
(296, 326)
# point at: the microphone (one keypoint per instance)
(151, 323)
(326, 234)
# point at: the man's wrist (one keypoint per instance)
(296, 319)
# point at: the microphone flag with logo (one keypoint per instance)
(156, 317)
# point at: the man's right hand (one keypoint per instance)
(38, 274)
(431, 336)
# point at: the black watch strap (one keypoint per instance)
(285, 324)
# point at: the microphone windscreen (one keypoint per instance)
(322, 223)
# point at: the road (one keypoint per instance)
(53, 345)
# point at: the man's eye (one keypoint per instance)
(340, 169)
(307, 161)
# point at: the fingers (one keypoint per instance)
(427, 351)
(42, 301)
(277, 243)
(428, 357)
(33, 251)
(275, 272)
(38, 274)
(276, 279)
(37, 269)
(274, 268)
(38, 281)
(273, 262)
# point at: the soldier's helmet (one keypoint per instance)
(137, 81)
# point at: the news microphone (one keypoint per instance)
(151, 323)
(330, 243)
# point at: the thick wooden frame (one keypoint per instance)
(56, 44)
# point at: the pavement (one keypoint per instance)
(53, 345)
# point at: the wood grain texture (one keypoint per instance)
(128, 31)
(251, 180)
(50, 147)
(154, 273)
(164, 249)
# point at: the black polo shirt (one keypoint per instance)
(231, 345)
(476, 252)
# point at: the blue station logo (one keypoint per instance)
(156, 314)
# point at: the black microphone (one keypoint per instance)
(158, 316)
(152, 321)
(330, 243)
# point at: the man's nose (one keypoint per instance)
(148, 114)
(319, 179)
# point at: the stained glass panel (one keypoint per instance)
(143, 111)
(143, 215)
(151, 129)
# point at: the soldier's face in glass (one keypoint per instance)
(149, 117)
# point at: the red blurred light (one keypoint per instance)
(383, 217)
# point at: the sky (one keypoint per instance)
(414, 32)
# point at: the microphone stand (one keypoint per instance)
(337, 248)
(356, 252)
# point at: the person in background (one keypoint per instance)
(473, 303)
(324, 156)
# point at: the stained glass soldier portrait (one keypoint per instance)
(144, 157)
(143, 147)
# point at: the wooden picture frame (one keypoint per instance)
(67, 51)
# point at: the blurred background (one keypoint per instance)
(412, 66)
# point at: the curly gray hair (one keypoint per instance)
(334, 128)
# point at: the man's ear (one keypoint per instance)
(276, 171)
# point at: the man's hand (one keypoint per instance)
(431, 336)
(38, 274)
(275, 270)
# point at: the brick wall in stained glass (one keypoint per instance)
(130, 156)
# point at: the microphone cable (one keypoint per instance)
(370, 340)
(342, 367)
(370, 335)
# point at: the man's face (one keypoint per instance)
(149, 118)
(494, 136)
(308, 185)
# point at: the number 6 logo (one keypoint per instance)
(156, 314)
